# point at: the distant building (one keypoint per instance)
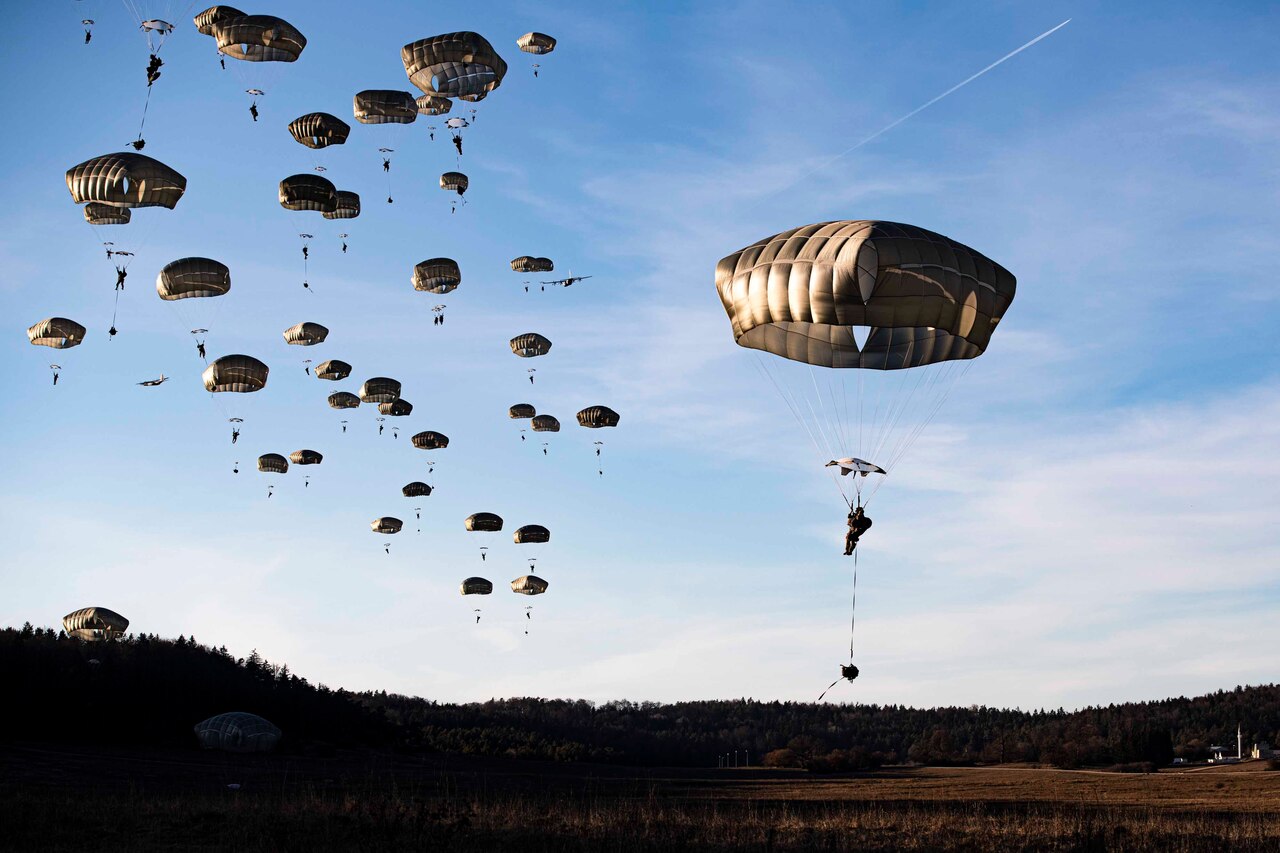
(1262, 749)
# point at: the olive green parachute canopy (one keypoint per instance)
(240, 374)
(416, 489)
(595, 417)
(475, 586)
(259, 38)
(333, 370)
(529, 585)
(97, 213)
(456, 65)
(237, 732)
(925, 298)
(380, 389)
(386, 524)
(536, 43)
(430, 440)
(521, 410)
(272, 463)
(546, 423)
(348, 206)
(305, 334)
(215, 15)
(385, 106)
(306, 457)
(308, 192)
(193, 278)
(437, 275)
(125, 180)
(531, 534)
(399, 408)
(530, 344)
(455, 181)
(433, 105)
(94, 623)
(319, 130)
(483, 522)
(525, 263)
(343, 400)
(56, 332)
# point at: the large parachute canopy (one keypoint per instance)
(546, 423)
(125, 179)
(273, 463)
(416, 489)
(308, 192)
(530, 345)
(596, 417)
(258, 38)
(305, 334)
(379, 389)
(386, 525)
(97, 213)
(193, 278)
(306, 457)
(536, 43)
(476, 586)
(319, 130)
(333, 370)
(94, 623)
(437, 275)
(483, 522)
(237, 732)
(521, 410)
(348, 206)
(396, 408)
(56, 332)
(892, 307)
(527, 263)
(343, 400)
(430, 440)
(529, 585)
(531, 534)
(433, 105)
(241, 374)
(385, 106)
(454, 182)
(455, 65)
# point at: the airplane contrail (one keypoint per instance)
(891, 125)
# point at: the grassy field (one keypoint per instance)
(64, 799)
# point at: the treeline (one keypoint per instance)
(142, 689)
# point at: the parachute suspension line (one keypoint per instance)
(146, 105)
(793, 405)
(938, 382)
(950, 384)
(853, 605)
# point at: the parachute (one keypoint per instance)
(308, 192)
(94, 623)
(305, 334)
(597, 417)
(530, 345)
(539, 44)
(545, 423)
(306, 457)
(348, 206)
(273, 463)
(237, 732)
(430, 440)
(343, 400)
(455, 65)
(475, 586)
(483, 522)
(433, 105)
(437, 275)
(96, 213)
(521, 410)
(385, 106)
(333, 370)
(206, 20)
(386, 525)
(525, 263)
(240, 374)
(193, 278)
(258, 38)
(454, 182)
(396, 408)
(125, 180)
(56, 332)
(380, 389)
(529, 585)
(416, 489)
(531, 534)
(319, 130)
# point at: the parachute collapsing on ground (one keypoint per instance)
(237, 732)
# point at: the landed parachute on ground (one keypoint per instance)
(455, 65)
(273, 463)
(305, 334)
(239, 374)
(319, 130)
(237, 731)
(56, 332)
(94, 623)
(125, 180)
(437, 275)
(379, 389)
(344, 400)
(429, 440)
(333, 370)
(530, 345)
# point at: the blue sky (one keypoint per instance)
(1090, 519)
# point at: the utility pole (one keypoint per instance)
(1239, 743)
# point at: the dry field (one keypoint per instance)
(55, 798)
